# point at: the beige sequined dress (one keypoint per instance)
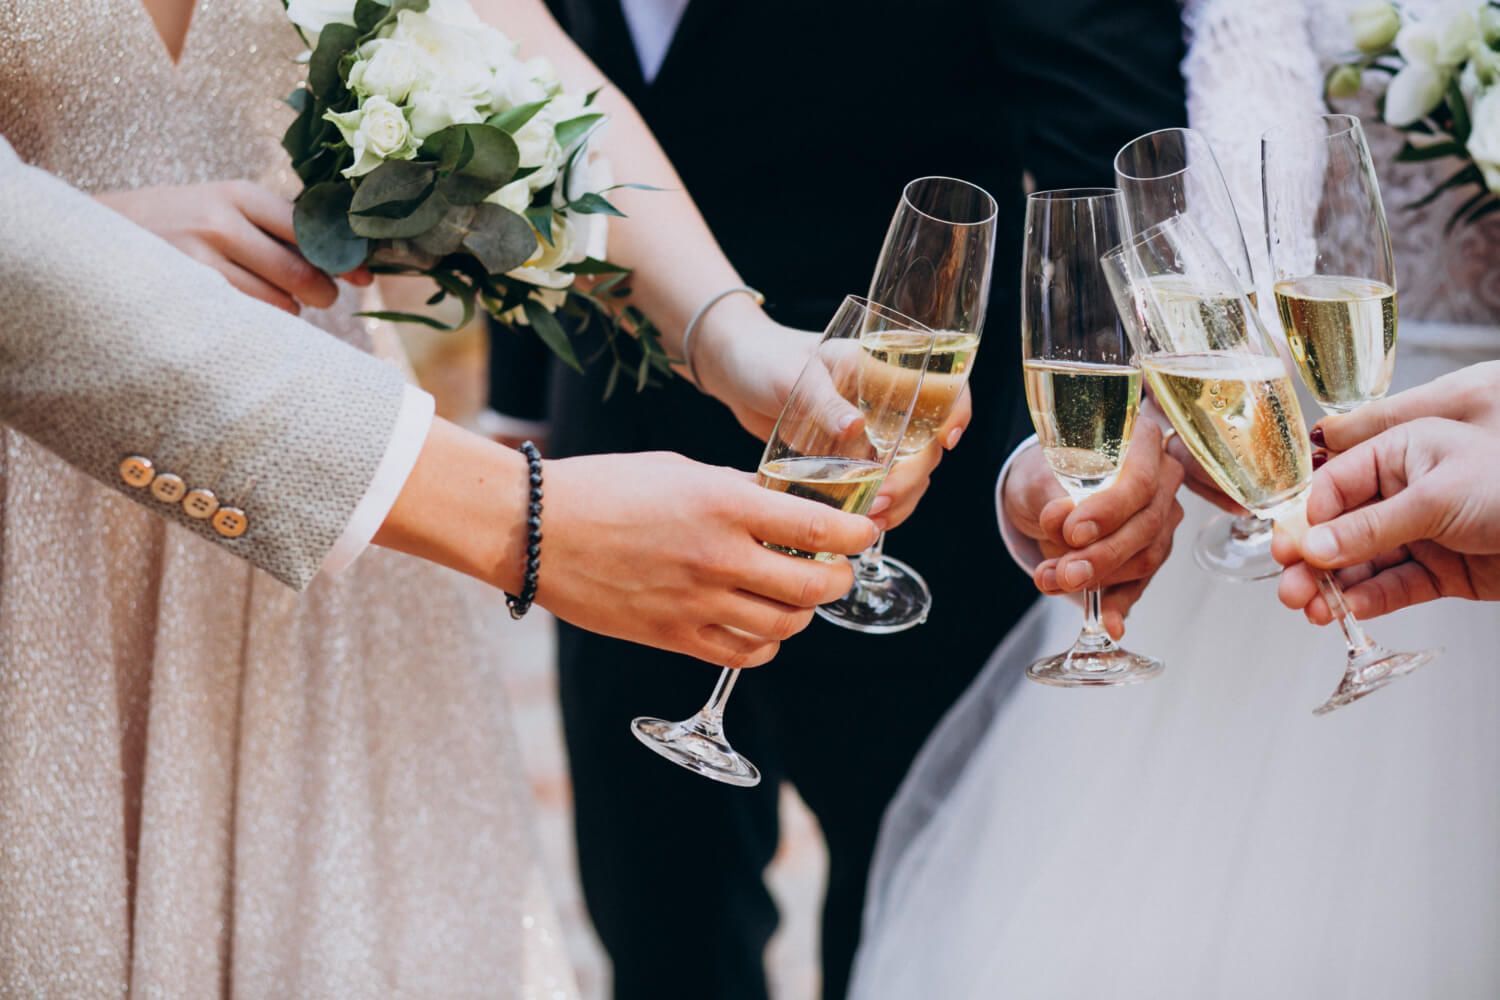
(208, 785)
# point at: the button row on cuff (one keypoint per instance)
(200, 504)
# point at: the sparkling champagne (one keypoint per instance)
(893, 359)
(1211, 321)
(1238, 415)
(1084, 414)
(850, 484)
(1342, 332)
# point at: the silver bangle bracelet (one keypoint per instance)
(687, 334)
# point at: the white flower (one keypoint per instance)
(312, 16)
(387, 67)
(1433, 50)
(432, 111)
(591, 231)
(537, 143)
(377, 131)
(1484, 140)
(551, 254)
(515, 196)
(1374, 26)
(1489, 24)
(455, 61)
(1413, 92)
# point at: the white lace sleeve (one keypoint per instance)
(1248, 65)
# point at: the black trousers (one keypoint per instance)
(672, 863)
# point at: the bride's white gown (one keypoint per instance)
(1203, 835)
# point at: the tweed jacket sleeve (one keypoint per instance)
(150, 373)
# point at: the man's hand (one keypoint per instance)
(1116, 539)
(1409, 515)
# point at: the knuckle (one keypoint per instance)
(789, 623)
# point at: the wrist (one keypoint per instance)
(464, 507)
(719, 331)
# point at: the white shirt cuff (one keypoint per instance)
(413, 421)
(1024, 550)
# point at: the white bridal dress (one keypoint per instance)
(1203, 835)
(210, 787)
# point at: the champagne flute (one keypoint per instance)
(1169, 172)
(1335, 278)
(935, 268)
(1083, 388)
(1216, 373)
(869, 366)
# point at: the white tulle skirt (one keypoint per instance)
(1203, 834)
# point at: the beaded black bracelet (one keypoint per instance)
(520, 605)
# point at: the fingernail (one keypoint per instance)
(1085, 533)
(1049, 579)
(954, 435)
(1318, 459)
(1320, 543)
(880, 506)
(1078, 573)
(1316, 435)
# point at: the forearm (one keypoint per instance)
(464, 507)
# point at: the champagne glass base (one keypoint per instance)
(1372, 672)
(1091, 668)
(896, 600)
(1226, 550)
(698, 745)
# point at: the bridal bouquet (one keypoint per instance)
(1442, 89)
(426, 145)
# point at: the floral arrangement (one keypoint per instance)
(426, 145)
(1441, 90)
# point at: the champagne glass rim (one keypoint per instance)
(1296, 131)
(1175, 130)
(994, 208)
(870, 305)
(1075, 194)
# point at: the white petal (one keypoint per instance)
(1413, 92)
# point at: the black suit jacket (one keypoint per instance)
(795, 124)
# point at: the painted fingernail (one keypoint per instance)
(1320, 543)
(1316, 436)
(1085, 533)
(880, 506)
(1319, 458)
(1078, 573)
(954, 435)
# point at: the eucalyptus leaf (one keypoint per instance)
(384, 227)
(517, 116)
(594, 204)
(573, 129)
(369, 13)
(320, 221)
(540, 217)
(298, 100)
(500, 239)
(394, 189)
(550, 330)
(334, 42)
(300, 138)
(490, 165)
(446, 235)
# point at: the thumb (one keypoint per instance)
(1369, 531)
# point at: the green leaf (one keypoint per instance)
(393, 8)
(324, 166)
(591, 95)
(592, 265)
(594, 204)
(540, 217)
(1459, 110)
(550, 330)
(500, 239)
(613, 381)
(323, 77)
(394, 189)
(298, 100)
(1468, 175)
(1436, 151)
(486, 161)
(320, 221)
(573, 129)
(300, 138)
(369, 13)
(446, 235)
(414, 223)
(1487, 208)
(1470, 203)
(517, 116)
(635, 187)
(401, 317)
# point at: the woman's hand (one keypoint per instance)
(1116, 539)
(239, 229)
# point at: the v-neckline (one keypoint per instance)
(175, 62)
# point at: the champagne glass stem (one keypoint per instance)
(871, 566)
(712, 711)
(1249, 530)
(1093, 637)
(1360, 644)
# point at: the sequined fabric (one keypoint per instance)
(208, 786)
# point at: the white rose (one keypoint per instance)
(513, 85)
(377, 131)
(537, 143)
(590, 231)
(387, 67)
(312, 16)
(515, 196)
(542, 72)
(455, 61)
(453, 12)
(432, 111)
(1484, 140)
(541, 269)
(1374, 26)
